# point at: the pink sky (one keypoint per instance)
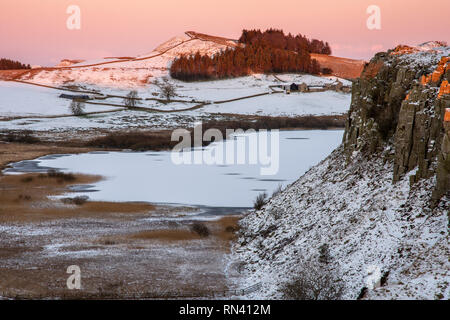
(34, 31)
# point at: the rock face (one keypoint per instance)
(443, 169)
(404, 104)
(378, 202)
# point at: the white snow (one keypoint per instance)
(19, 99)
(366, 220)
(425, 58)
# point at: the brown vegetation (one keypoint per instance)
(223, 229)
(200, 229)
(25, 136)
(277, 39)
(266, 52)
(134, 140)
(167, 235)
(25, 198)
(313, 282)
(260, 201)
(161, 140)
(270, 123)
(12, 74)
(13, 152)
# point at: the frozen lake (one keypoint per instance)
(154, 177)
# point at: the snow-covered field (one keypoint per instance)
(25, 100)
(18, 99)
(297, 104)
(117, 76)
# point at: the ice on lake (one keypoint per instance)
(154, 177)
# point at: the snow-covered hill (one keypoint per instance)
(379, 204)
(126, 72)
(132, 71)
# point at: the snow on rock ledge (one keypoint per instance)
(373, 208)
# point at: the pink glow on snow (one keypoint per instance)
(35, 31)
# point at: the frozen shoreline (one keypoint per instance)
(153, 177)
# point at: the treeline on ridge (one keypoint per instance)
(7, 64)
(260, 52)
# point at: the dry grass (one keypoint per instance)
(342, 67)
(134, 140)
(117, 207)
(12, 74)
(13, 152)
(166, 235)
(227, 227)
(222, 230)
(25, 198)
(269, 123)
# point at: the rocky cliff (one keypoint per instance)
(400, 101)
(379, 204)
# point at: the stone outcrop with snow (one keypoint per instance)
(379, 202)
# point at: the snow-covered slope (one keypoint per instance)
(131, 72)
(380, 202)
(126, 72)
(20, 99)
(365, 219)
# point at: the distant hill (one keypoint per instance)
(269, 51)
(128, 71)
(136, 70)
(341, 67)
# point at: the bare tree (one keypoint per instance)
(77, 107)
(314, 282)
(131, 99)
(260, 201)
(167, 89)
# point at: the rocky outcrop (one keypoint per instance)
(443, 169)
(378, 202)
(400, 101)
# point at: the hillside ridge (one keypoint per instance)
(141, 69)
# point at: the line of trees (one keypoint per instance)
(6, 64)
(277, 39)
(262, 52)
